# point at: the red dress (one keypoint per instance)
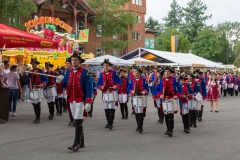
(212, 92)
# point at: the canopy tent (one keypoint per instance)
(141, 61)
(112, 59)
(178, 59)
(14, 38)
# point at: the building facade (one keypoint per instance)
(79, 15)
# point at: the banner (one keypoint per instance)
(83, 35)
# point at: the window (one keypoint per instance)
(134, 36)
(99, 52)
(115, 36)
(36, 27)
(99, 31)
(137, 2)
(81, 48)
(80, 26)
(115, 52)
(140, 2)
(133, 1)
(138, 36)
(138, 19)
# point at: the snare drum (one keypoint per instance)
(138, 101)
(109, 97)
(192, 104)
(52, 92)
(167, 107)
(36, 94)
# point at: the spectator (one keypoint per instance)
(11, 80)
(23, 81)
(5, 70)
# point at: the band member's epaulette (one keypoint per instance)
(89, 73)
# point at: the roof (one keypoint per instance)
(181, 59)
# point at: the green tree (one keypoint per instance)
(163, 41)
(194, 15)
(154, 25)
(237, 62)
(12, 11)
(237, 48)
(113, 19)
(174, 17)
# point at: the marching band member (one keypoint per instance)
(157, 100)
(139, 87)
(213, 92)
(231, 83)
(236, 85)
(35, 81)
(50, 84)
(131, 76)
(123, 93)
(201, 88)
(78, 84)
(170, 88)
(59, 97)
(225, 84)
(94, 94)
(108, 83)
(186, 94)
(220, 82)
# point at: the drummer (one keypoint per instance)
(225, 83)
(187, 93)
(108, 82)
(139, 87)
(51, 85)
(131, 76)
(36, 81)
(170, 88)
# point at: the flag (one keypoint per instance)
(83, 35)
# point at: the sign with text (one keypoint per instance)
(149, 43)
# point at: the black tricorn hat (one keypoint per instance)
(121, 69)
(167, 68)
(68, 60)
(197, 71)
(59, 70)
(106, 60)
(49, 64)
(133, 66)
(181, 77)
(34, 60)
(191, 74)
(139, 69)
(77, 55)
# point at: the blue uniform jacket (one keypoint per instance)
(201, 87)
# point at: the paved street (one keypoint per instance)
(216, 138)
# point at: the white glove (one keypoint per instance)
(87, 107)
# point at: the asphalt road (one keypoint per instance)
(215, 138)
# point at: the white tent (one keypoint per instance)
(178, 59)
(142, 61)
(112, 59)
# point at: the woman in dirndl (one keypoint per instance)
(213, 93)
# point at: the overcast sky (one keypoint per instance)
(221, 10)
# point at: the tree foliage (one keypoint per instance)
(13, 10)
(154, 25)
(114, 19)
(237, 62)
(163, 41)
(194, 15)
(174, 17)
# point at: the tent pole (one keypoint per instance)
(139, 52)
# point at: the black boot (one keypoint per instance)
(122, 110)
(170, 124)
(57, 105)
(35, 111)
(140, 122)
(236, 93)
(78, 135)
(225, 92)
(137, 120)
(159, 117)
(111, 118)
(166, 120)
(71, 121)
(186, 123)
(90, 112)
(38, 109)
(194, 118)
(64, 105)
(200, 114)
(107, 117)
(60, 100)
(82, 145)
(191, 118)
(126, 110)
(231, 91)
(49, 109)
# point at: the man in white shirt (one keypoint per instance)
(4, 71)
